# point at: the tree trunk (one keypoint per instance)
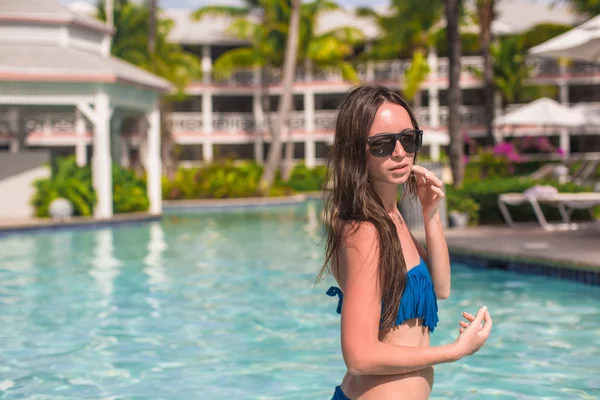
(485, 11)
(454, 92)
(167, 144)
(285, 105)
(152, 27)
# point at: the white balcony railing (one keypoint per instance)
(186, 122)
(324, 120)
(51, 122)
(393, 70)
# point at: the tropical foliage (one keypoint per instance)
(74, 183)
(130, 43)
(511, 72)
(266, 24)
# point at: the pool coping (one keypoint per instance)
(541, 266)
(243, 202)
(46, 224)
(41, 225)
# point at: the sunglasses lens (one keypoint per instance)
(410, 142)
(382, 146)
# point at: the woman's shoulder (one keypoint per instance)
(359, 233)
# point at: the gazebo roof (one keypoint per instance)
(47, 12)
(34, 47)
(55, 63)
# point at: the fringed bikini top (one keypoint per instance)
(418, 299)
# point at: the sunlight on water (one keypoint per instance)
(217, 305)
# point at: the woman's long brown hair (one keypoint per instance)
(352, 197)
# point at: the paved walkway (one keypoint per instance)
(576, 249)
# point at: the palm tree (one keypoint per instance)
(511, 72)
(485, 16)
(454, 93)
(590, 8)
(285, 106)
(266, 23)
(131, 43)
(261, 22)
(329, 49)
(410, 24)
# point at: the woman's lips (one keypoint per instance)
(400, 168)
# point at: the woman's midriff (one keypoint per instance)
(414, 385)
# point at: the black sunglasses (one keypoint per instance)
(383, 145)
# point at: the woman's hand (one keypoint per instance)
(473, 335)
(429, 189)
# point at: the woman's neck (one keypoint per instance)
(388, 193)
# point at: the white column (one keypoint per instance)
(562, 83)
(565, 142)
(309, 128)
(259, 122)
(81, 146)
(101, 162)
(259, 156)
(207, 126)
(259, 115)
(14, 127)
(207, 151)
(434, 151)
(434, 100)
(206, 64)
(207, 105)
(154, 166)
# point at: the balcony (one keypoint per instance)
(393, 71)
(244, 123)
(236, 123)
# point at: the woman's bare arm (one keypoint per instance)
(363, 353)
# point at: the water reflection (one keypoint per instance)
(154, 261)
(105, 266)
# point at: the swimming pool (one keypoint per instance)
(221, 304)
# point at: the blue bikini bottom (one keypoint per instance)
(339, 395)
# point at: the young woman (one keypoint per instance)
(388, 283)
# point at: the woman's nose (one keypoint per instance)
(399, 151)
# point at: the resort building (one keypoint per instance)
(228, 117)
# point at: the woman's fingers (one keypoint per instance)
(424, 177)
(439, 191)
(468, 316)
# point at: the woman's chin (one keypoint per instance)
(398, 176)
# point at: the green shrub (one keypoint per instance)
(474, 169)
(227, 179)
(129, 191)
(74, 183)
(218, 180)
(304, 179)
(485, 193)
(68, 181)
(462, 202)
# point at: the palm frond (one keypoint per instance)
(415, 75)
(231, 60)
(221, 11)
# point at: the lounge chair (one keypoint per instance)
(566, 203)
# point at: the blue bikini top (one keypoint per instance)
(418, 299)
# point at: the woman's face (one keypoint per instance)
(395, 168)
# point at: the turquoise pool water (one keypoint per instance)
(217, 305)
